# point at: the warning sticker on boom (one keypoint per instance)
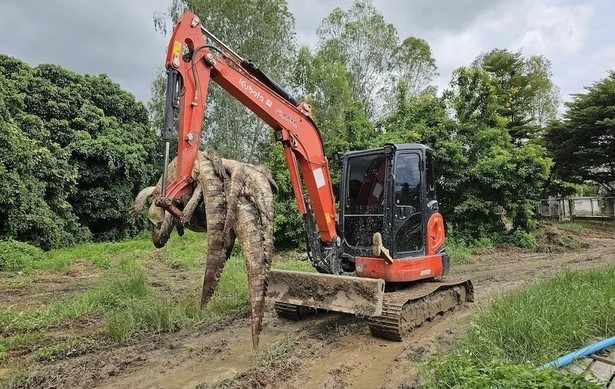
(319, 177)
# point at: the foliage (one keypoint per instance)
(526, 96)
(482, 174)
(583, 144)
(80, 148)
(289, 232)
(522, 330)
(458, 371)
(539, 323)
(18, 256)
(413, 66)
(360, 39)
(491, 175)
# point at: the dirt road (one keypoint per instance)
(327, 351)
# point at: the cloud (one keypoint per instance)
(117, 37)
(554, 29)
(113, 37)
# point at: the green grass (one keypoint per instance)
(98, 254)
(18, 341)
(548, 318)
(105, 297)
(189, 250)
(525, 329)
(69, 348)
(130, 306)
(573, 226)
(461, 251)
(294, 264)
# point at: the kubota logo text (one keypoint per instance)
(248, 88)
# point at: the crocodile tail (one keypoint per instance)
(262, 196)
(249, 233)
(215, 209)
(235, 191)
(258, 187)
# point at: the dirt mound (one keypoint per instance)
(552, 239)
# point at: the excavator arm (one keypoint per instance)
(194, 58)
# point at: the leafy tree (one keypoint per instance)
(492, 174)
(526, 96)
(261, 30)
(360, 39)
(85, 149)
(583, 144)
(480, 171)
(325, 85)
(413, 65)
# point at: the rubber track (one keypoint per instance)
(400, 315)
(287, 311)
(293, 312)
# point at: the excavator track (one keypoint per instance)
(292, 311)
(406, 309)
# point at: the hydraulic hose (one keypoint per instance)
(580, 353)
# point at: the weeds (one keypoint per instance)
(462, 251)
(70, 348)
(547, 319)
(528, 328)
(18, 256)
(105, 297)
(294, 264)
(458, 371)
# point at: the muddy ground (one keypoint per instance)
(325, 351)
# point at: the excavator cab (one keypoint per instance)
(388, 199)
(393, 241)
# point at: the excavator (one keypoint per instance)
(381, 255)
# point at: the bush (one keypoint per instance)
(523, 239)
(18, 256)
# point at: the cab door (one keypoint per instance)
(408, 211)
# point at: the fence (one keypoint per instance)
(577, 208)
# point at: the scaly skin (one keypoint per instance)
(250, 215)
(247, 225)
(238, 204)
(253, 182)
(215, 209)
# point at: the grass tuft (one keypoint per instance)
(525, 329)
(70, 348)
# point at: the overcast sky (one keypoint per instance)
(117, 37)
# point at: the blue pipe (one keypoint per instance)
(580, 353)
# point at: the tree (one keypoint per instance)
(361, 40)
(413, 65)
(583, 144)
(80, 149)
(526, 96)
(262, 30)
(491, 173)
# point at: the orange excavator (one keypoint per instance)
(381, 255)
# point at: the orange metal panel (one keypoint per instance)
(400, 270)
